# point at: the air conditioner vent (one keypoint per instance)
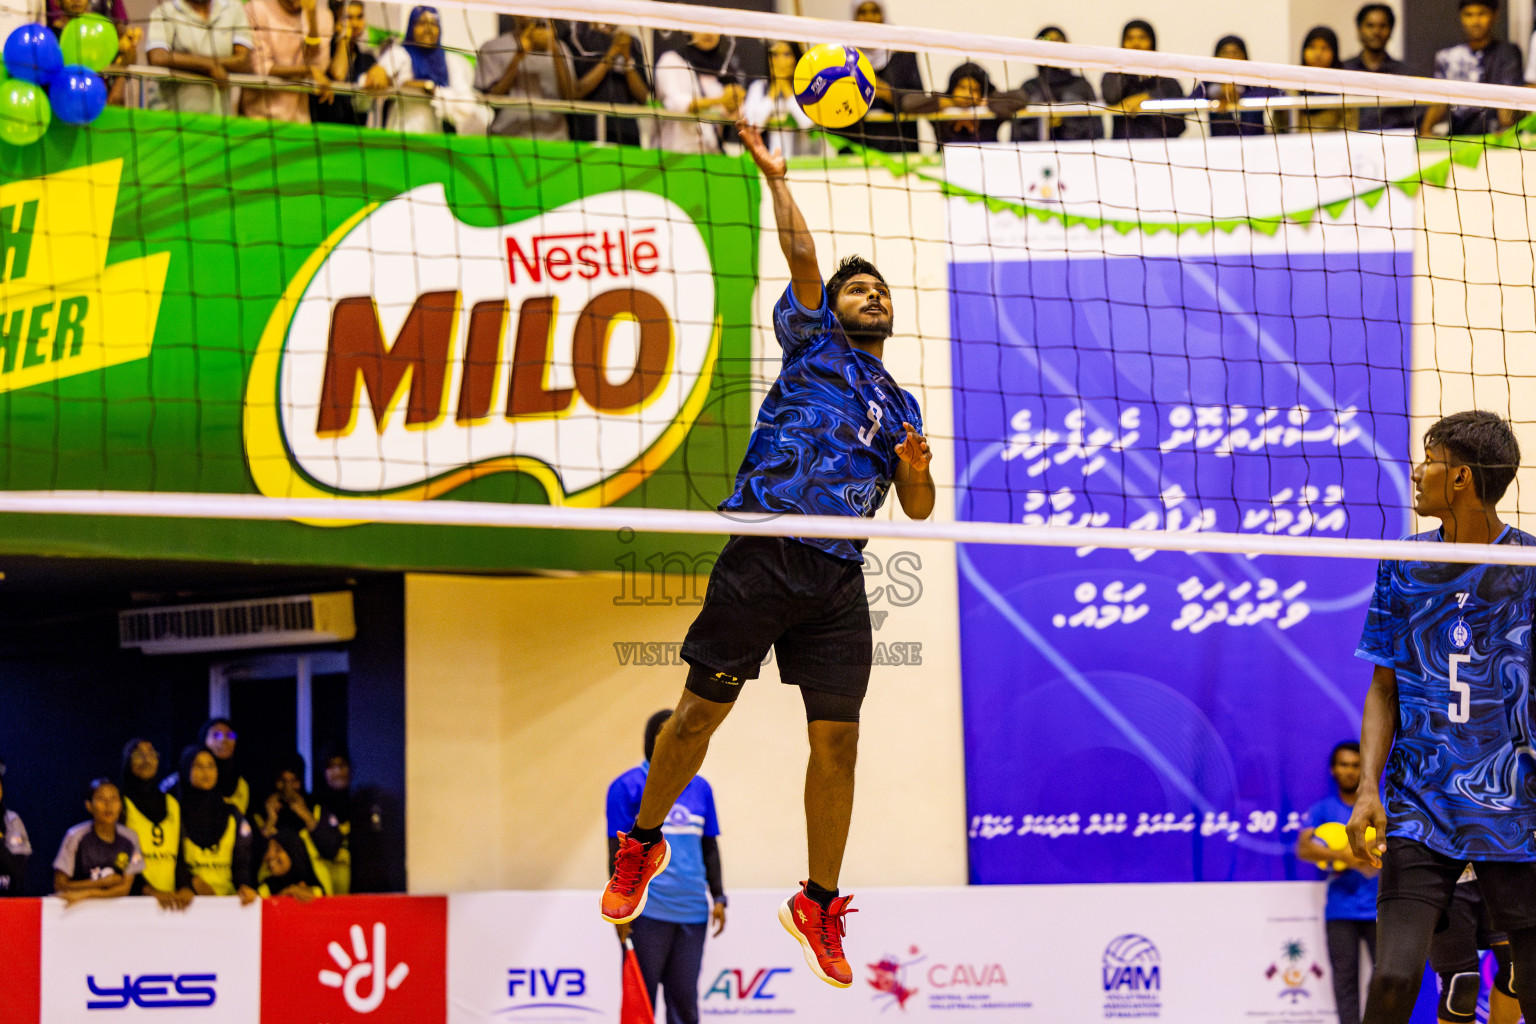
(239, 625)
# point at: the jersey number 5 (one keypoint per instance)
(1462, 710)
(876, 414)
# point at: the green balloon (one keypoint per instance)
(24, 112)
(90, 40)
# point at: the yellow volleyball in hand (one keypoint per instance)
(1333, 835)
(834, 85)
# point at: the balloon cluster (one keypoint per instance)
(46, 77)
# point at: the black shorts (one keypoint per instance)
(1466, 928)
(1412, 871)
(808, 606)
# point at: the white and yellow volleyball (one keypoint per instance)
(834, 85)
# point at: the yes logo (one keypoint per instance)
(359, 966)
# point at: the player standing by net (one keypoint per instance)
(1450, 700)
(833, 435)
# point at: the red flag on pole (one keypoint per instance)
(637, 1001)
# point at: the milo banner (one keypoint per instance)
(243, 307)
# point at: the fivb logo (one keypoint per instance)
(357, 967)
(415, 353)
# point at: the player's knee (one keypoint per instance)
(693, 722)
(836, 743)
(1504, 975)
(1458, 996)
(1394, 986)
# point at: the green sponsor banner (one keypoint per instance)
(241, 307)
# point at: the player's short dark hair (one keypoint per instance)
(1483, 442)
(1349, 745)
(653, 728)
(851, 267)
(1369, 9)
(1492, 5)
(97, 783)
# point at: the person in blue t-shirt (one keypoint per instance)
(1450, 702)
(669, 933)
(1351, 909)
(832, 438)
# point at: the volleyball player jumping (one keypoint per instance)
(833, 435)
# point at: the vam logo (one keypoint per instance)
(734, 984)
(1133, 977)
(359, 966)
(153, 991)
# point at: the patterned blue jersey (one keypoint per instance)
(1461, 777)
(826, 437)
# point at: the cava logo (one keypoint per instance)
(57, 294)
(414, 353)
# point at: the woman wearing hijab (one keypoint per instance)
(333, 806)
(610, 68)
(215, 838)
(1228, 118)
(286, 870)
(430, 85)
(970, 89)
(898, 87)
(15, 846)
(154, 817)
(1125, 92)
(771, 105)
(702, 77)
(1056, 85)
(289, 809)
(1320, 49)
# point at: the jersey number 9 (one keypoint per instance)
(876, 414)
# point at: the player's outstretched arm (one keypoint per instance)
(794, 236)
(1377, 729)
(914, 485)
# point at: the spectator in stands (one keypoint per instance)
(1320, 49)
(100, 858)
(333, 807)
(1374, 24)
(351, 57)
(1055, 85)
(219, 736)
(201, 37)
(62, 12)
(898, 88)
(771, 105)
(669, 933)
(286, 870)
(215, 838)
(609, 68)
(1228, 118)
(289, 809)
(432, 86)
(289, 40)
(1481, 58)
(15, 847)
(1125, 92)
(970, 90)
(526, 63)
(703, 78)
(155, 820)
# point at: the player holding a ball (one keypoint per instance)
(833, 436)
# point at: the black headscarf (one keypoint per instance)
(336, 803)
(1328, 36)
(286, 819)
(301, 871)
(1145, 26)
(204, 814)
(229, 771)
(1224, 40)
(970, 70)
(145, 793)
(1052, 78)
(720, 62)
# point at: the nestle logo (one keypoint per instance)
(585, 254)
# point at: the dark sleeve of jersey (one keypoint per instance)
(1507, 67)
(1378, 642)
(796, 327)
(712, 867)
(243, 867)
(327, 839)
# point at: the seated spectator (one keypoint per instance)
(289, 809)
(1374, 24)
(100, 858)
(1320, 49)
(1228, 118)
(970, 89)
(1055, 85)
(431, 86)
(351, 57)
(15, 847)
(62, 12)
(1481, 58)
(286, 870)
(771, 105)
(898, 88)
(203, 37)
(215, 838)
(703, 78)
(526, 63)
(609, 68)
(1125, 92)
(289, 40)
(155, 820)
(333, 806)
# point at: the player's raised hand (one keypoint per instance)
(1368, 814)
(772, 164)
(914, 450)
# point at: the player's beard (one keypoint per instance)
(862, 329)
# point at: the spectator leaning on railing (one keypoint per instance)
(288, 809)
(1125, 93)
(1054, 85)
(15, 847)
(100, 858)
(155, 820)
(351, 58)
(334, 806)
(429, 85)
(1374, 24)
(898, 87)
(1481, 58)
(215, 838)
(609, 68)
(290, 39)
(1320, 49)
(204, 37)
(286, 869)
(771, 105)
(526, 63)
(702, 77)
(1229, 118)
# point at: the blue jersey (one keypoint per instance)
(1351, 895)
(826, 437)
(680, 894)
(1461, 778)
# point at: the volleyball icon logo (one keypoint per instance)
(834, 85)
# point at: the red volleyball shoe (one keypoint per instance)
(633, 869)
(820, 934)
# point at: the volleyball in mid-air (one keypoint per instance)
(834, 85)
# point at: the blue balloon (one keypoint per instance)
(32, 54)
(78, 95)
